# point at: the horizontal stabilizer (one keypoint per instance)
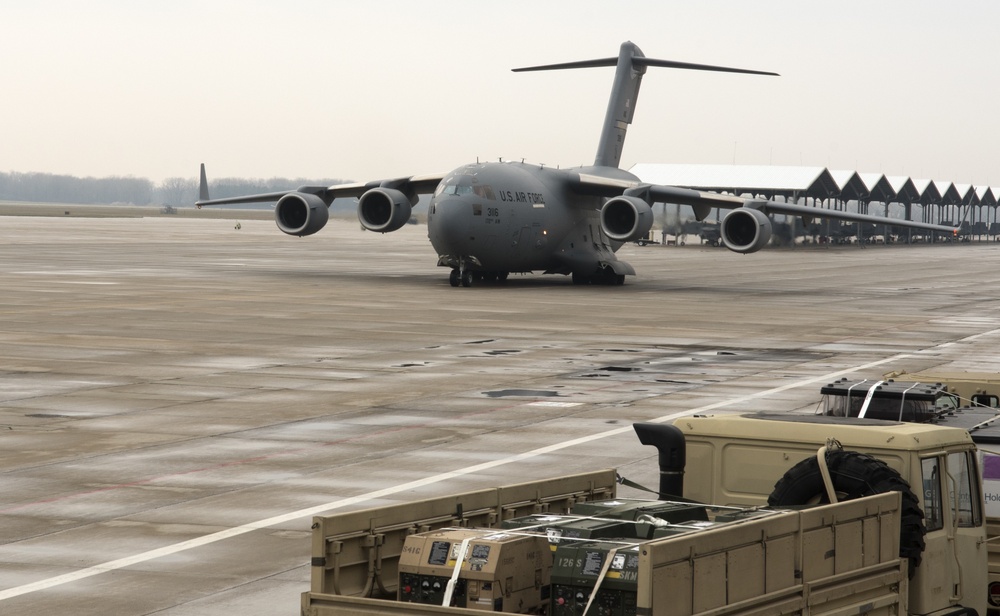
(698, 67)
(643, 62)
(580, 64)
(630, 65)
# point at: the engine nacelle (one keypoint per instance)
(383, 209)
(626, 219)
(301, 214)
(746, 230)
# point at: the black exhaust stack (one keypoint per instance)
(669, 441)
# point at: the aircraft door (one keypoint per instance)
(525, 237)
(519, 229)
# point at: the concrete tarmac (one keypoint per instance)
(178, 396)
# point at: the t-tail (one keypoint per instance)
(631, 66)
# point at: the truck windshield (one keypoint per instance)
(946, 402)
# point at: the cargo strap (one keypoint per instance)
(868, 398)
(459, 559)
(631, 484)
(668, 497)
(600, 578)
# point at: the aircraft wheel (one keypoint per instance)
(580, 279)
(453, 278)
(501, 276)
(466, 278)
(619, 280)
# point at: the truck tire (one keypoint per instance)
(855, 475)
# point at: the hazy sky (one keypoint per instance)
(373, 89)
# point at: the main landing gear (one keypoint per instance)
(465, 278)
(605, 277)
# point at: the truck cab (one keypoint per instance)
(738, 459)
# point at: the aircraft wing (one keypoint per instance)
(414, 184)
(703, 201)
(807, 213)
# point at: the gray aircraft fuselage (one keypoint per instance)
(518, 217)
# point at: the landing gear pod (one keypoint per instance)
(383, 209)
(745, 230)
(626, 219)
(301, 214)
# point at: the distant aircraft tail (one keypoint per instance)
(631, 66)
(203, 185)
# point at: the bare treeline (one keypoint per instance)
(178, 192)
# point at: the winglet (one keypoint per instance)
(203, 185)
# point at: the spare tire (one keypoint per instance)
(855, 475)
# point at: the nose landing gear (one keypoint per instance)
(463, 277)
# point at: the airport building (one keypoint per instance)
(971, 208)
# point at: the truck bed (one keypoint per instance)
(828, 560)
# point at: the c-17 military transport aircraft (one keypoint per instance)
(486, 220)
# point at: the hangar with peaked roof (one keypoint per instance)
(971, 208)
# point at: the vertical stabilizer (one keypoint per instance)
(621, 106)
(631, 66)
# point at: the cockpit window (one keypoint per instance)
(464, 185)
(457, 189)
(485, 191)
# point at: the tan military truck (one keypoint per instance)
(770, 542)
(793, 525)
(906, 533)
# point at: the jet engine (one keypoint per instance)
(301, 214)
(383, 209)
(626, 218)
(746, 230)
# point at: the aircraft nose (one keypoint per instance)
(449, 225)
